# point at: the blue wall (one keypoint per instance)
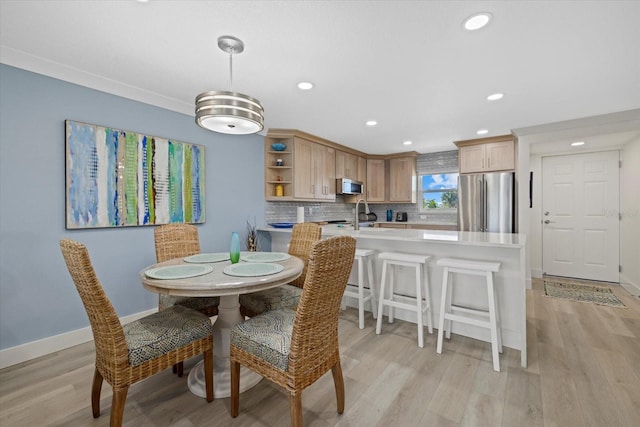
(37, 297)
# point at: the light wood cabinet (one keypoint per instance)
(325, 172)
(486, 154)
(362, 171)
(309, 166)
(376, 180)
(314, 171)
(304, 173)
(414, 226)
(392, 179)
(346, 165)
(397, 225)
(402, 180)
(304, 170)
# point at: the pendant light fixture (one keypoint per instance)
(229, 112)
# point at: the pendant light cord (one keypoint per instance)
(230, 71)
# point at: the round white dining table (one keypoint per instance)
(228, 288)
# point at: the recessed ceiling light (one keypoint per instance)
(482, 132)
(577, 143)
(407, 142)
(305, 85)
(495, 96)
(371, 123)
(477, 21)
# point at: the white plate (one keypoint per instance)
(266, 257)
(204, 258)
(252, 269)
(179, 271)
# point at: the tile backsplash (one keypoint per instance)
(316, 211)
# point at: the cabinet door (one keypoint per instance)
(346, 165)
(303, 177)
(324, 172)
(392, 225)
(362, 170)
(402, 180)
(500, 156)
(375, 180)
(472, 158)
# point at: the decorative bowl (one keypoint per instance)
(278, 146)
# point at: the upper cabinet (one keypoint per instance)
(392, 179)
(376, 178)
(487, 154)
(402, 180)
(346, 165)
(304, 170)
(305, 167)
(314, 175)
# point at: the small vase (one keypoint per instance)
(234, 250)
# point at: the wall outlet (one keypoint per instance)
(423, 217)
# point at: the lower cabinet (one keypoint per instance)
(414, 226)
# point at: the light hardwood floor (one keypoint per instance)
(584, 370)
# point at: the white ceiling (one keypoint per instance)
(407, 64)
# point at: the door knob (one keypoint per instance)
(546, 213)
(546, 221)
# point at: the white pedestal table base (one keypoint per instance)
(228, 316)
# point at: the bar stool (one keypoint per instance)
(361, 257)
(476, 268)
(419, 262)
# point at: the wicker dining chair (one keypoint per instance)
(179, 241)
(293, 348)
(126, 354)
(303, 236)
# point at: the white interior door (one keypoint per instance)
(580, 206)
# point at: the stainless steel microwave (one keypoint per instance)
(349, 186)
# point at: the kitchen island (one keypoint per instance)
(506, 248)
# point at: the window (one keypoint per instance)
(439, 191)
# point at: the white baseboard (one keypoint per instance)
(31, 350)
(536, 273)
(634, 288)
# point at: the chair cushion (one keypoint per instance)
(267, 336)
(161, 332)
(285, 296)
(194, 303)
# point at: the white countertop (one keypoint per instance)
(470, 238)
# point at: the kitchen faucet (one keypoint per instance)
(356, 223)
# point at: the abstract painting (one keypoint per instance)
(117, 178)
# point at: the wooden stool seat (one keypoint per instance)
(477, 268)
(422, 298)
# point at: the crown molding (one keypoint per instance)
(36, 64)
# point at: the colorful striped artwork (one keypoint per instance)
(117, 178)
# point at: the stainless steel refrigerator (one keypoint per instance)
(486, 202)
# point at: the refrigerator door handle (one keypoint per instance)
(485, 209)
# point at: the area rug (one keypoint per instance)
(581, 292)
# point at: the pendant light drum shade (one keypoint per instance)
(229, 112)
(226, 111)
